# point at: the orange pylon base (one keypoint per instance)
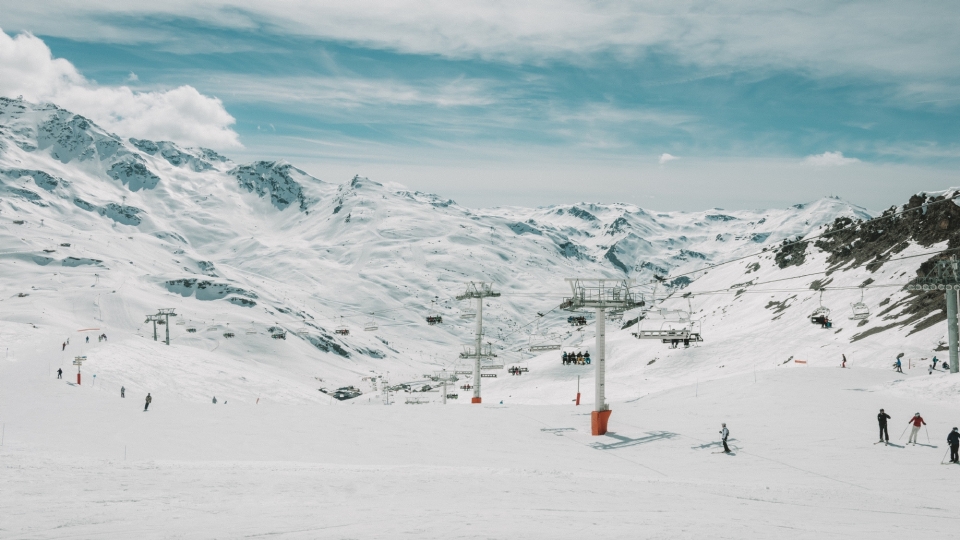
(598, 422)
(475, 400)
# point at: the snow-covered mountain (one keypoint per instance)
(99, 231)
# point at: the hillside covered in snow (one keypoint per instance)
(98, 232)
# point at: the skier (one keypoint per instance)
(122, 390)
(898, 366)
(88, 339)
(953, 439)
(917, 420)
(64, 346)
(147, 404)
(882, 419)
(214, 400)
(724, 433)
(934, 362)
(844, 363)
(59, 373)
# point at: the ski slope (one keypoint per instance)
(81, 462)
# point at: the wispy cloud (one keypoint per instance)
(830, 159)
(182, 114)
(353, 91)
(880, 37)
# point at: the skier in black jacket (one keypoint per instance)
(953, 439)
(882, 419)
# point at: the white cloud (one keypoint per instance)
(830, 159)
(184, 115)
(820, 36)
(664, 158)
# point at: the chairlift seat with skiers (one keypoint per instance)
(434, 319)
(577, 320)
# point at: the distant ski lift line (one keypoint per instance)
(895, 214)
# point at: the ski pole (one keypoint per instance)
(944, 456)
(925, 430)
(904, 431)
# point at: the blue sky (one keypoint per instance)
(539, 103)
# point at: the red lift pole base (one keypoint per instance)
(598, 422)
(578, 398)
(475, 400)
(78, 378)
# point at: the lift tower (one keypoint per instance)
(478, 290)
(167, 312)
(601, 295)
(945, 277)
(154, 319)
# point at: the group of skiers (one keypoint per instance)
(579, 358)
(915, 423)
(514, 370)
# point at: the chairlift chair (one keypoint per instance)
(572, 354)
(821, 315)
(371, 324)
(860, 310)
(341, 329)
(672, 332)
(468, 313)
(434, 316)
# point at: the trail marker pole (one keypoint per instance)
(578, 390)
(78, 361)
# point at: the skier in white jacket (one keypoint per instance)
(724, 433)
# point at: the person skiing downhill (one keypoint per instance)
(898, 366)
(917, 421)
(953, 439)
(214, 400)
(64, 346)
(724, 433)
(148, 401)
(59, 373)
(88, 339)
(844, 363)
(882, 419)
(122, 391)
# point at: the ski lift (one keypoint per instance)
(821, 315)
(434, 316)
(468, 313)
(860, 311)
(544, 342)
(574, 356)
(342, 330)
(674, 332)
(577, 320)
(371, 324)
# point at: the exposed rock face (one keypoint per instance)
(274, 179)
